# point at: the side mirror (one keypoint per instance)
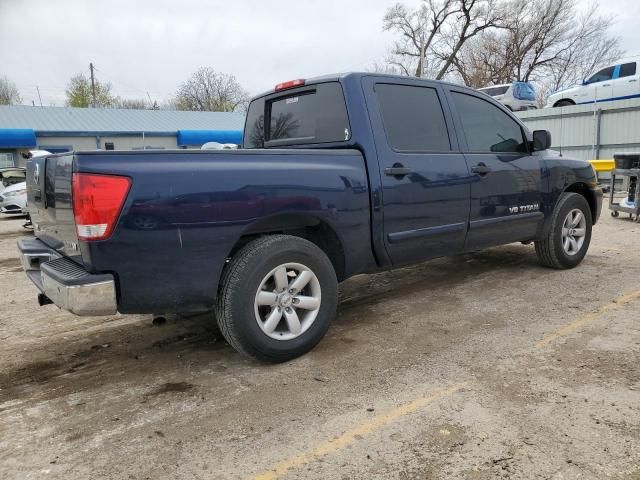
(541, 140)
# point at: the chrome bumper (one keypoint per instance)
(66, 283)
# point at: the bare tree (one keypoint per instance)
(551, 43)
(432, 35)
(548, 42)
(9, 94)
(208, 90)
(419, 30)
(473, 18)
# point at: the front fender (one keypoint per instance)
(568, 175)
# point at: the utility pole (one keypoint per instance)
(39, 97)
(93, 86)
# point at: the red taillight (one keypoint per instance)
(290, 84)
(97, 201)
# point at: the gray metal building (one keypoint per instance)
(61, 129)
(590, 132)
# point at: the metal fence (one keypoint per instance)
(590, 132)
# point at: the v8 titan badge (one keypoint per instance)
(524, 208)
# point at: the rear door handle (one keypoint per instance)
(481, 169)
(397, 171)
(633, 80)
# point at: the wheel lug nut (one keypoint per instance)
(288, 310)
(291, 290)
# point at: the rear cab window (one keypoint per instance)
(311, 114)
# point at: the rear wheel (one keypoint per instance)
(569, 237)
(278, 297)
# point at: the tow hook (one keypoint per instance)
(44, 300)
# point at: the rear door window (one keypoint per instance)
(316, 114)
(413, 118)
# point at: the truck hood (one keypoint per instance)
(564, 93)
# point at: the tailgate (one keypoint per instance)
(49, 202)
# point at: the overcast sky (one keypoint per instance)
(152, 46)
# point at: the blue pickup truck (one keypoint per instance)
(338, 176)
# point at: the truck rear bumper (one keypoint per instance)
(66, 283)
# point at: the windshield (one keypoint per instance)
(314, 114)
(524, 91)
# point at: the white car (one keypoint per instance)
(616, 82)
(516, 96)
(13, 199)
(10, 176)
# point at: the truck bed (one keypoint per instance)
(186, 210)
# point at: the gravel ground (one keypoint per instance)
(479, 366)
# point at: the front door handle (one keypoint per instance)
(606, 84)
(633, 80)
(397, 171)
(481, 169)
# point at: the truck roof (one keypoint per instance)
(340, 76)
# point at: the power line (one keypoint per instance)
(131, 88)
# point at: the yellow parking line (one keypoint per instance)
(588, 317)
(377, 422)
(347, 438)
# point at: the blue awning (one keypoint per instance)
(187, 138)
(17, 138)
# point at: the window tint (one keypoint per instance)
(602, 75)
(254, 125)
(308, 115)
(413, 118)
(627, 69)
(486, 127)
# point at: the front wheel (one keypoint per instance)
(569, 236)
(277, 299)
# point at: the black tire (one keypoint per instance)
(549, 249)
(564, 103)
(241, 281)
(615, 213)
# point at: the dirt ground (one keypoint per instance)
(476, 367)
